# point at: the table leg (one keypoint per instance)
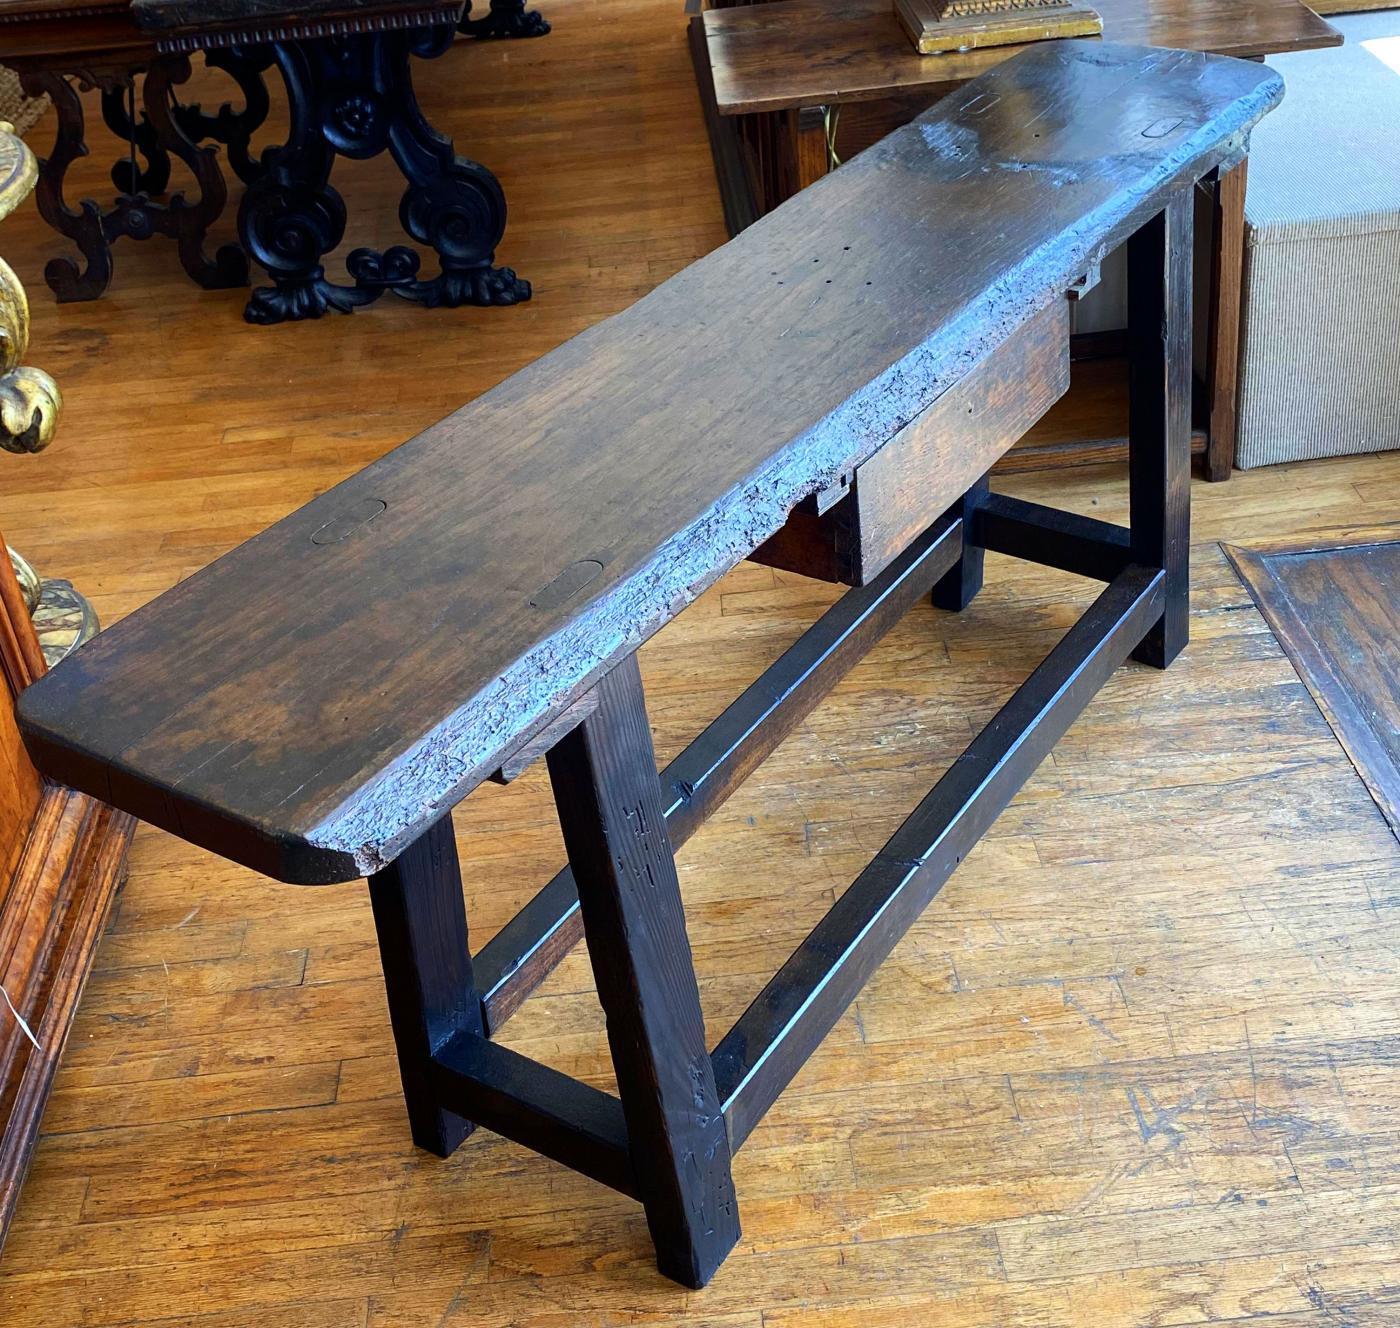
(233, 128)
(118, 113)
(94, 229)
(507, 18)
(727, 140)
(614, 824)
(801, 152)
(187, 222)
(960, 584)
(83, 224)
(1159, 415)
(1227, 296)
(421, 922)
(354, 97)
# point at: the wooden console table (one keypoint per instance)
(811, 385)
(771, 76)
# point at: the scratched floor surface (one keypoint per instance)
(1136, 1066)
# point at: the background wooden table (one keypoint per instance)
(774, 79)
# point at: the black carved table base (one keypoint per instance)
(507, 18)
(161, 130)
(353, 96)
(233, 128)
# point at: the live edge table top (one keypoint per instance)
(313, 701)
(794, 53)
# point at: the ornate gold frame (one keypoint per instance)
(938, 26)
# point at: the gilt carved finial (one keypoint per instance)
(29, 399)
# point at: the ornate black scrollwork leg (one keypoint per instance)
(133, 212)
(507, 18)
(454, 205)
(291, 215)
(233, 128)
(137, 130)
(354, 96)
(188, 222)
(83, 224)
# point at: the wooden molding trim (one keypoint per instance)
(62, 855)
(21, 660)
(54, 911)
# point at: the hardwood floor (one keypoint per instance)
(1139, 1064)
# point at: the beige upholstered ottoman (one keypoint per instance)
(1321, 341)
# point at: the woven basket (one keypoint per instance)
(21, 111)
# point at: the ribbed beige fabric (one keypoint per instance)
(21, 111)
(1321, 356)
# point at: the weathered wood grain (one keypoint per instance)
(314, 743)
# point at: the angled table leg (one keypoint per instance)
(1159, 415)
(422, 926)
(609, 797)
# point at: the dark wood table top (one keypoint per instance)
(311, 702)
(31, 30)
(793, 53)
(313, 17)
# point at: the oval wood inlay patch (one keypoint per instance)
(349, 521)
(1161, 128)
(566, 585)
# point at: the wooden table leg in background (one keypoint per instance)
(784, 152)
(736, 186)
(136, 213)
(1227, 296)
(802, 150)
